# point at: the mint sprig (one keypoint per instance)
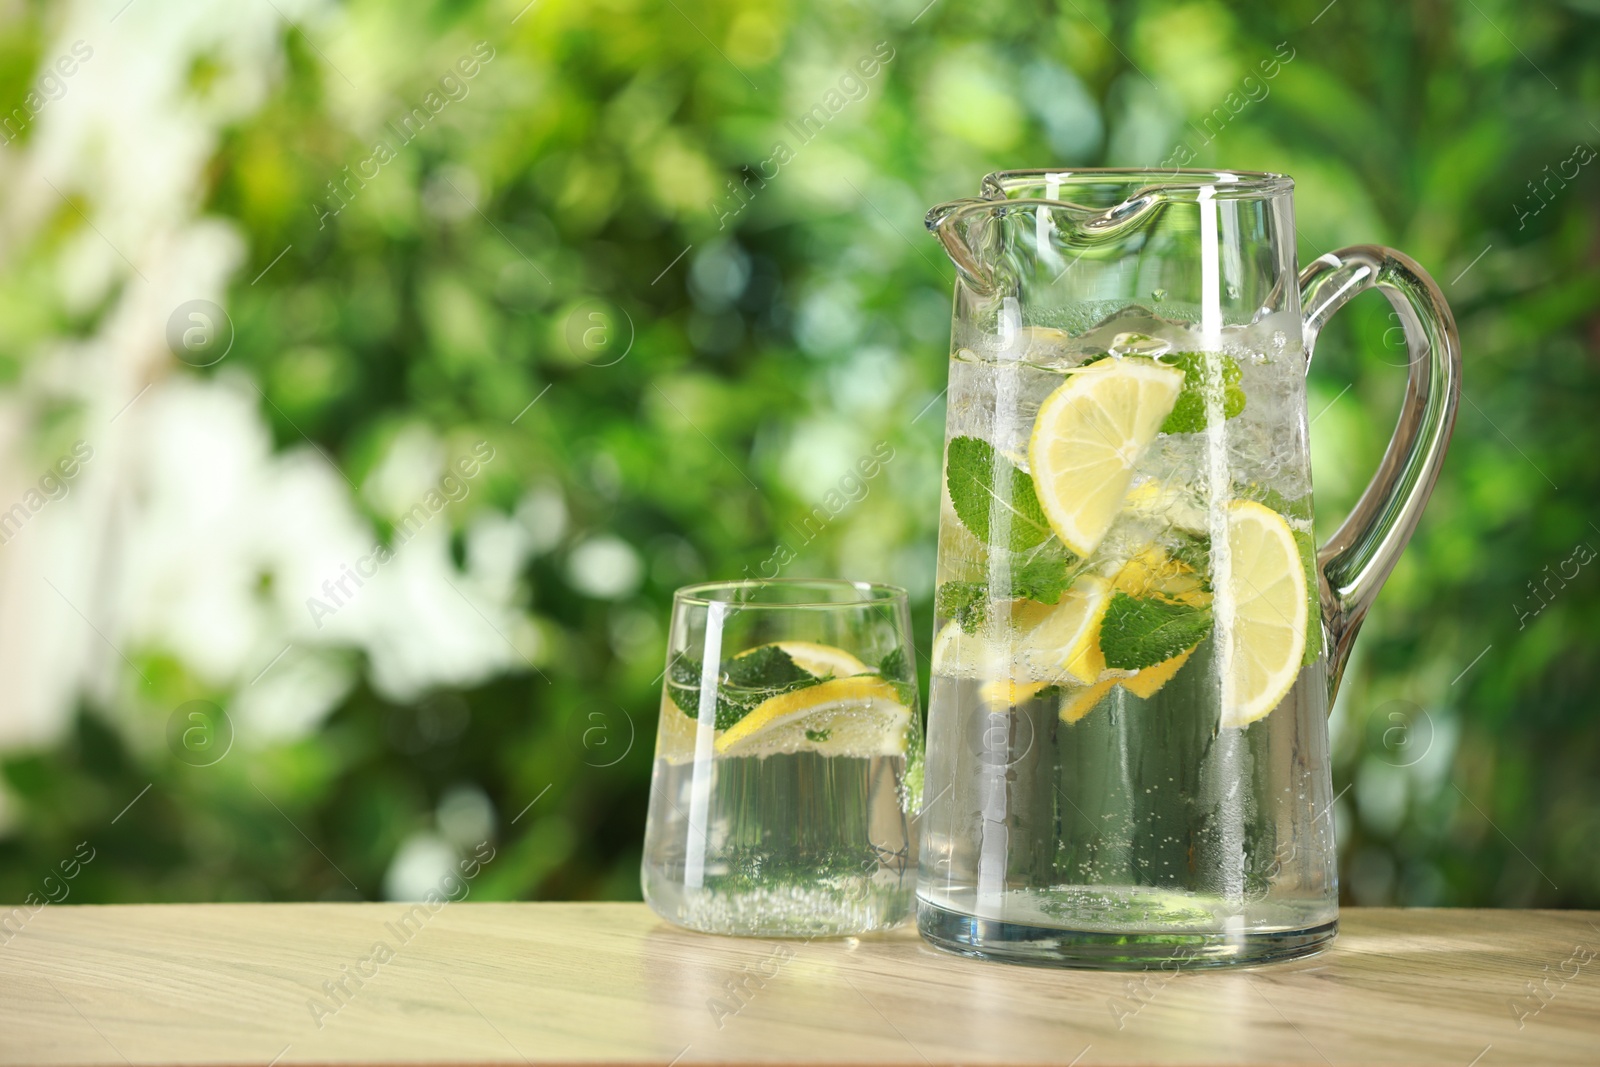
(993, 497)
(1139, 632)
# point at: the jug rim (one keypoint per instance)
(1001, 185)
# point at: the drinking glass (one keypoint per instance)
(788, 760)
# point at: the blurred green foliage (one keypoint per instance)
(778, 327)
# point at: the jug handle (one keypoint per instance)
(1355, 561)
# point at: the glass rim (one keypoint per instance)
(869, 593)
(1228, 184)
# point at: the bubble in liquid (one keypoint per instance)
(1158, 294)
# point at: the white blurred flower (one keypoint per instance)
(421, 865)
(543, 512)
(605, 567)
(292, 695)
(465, 815)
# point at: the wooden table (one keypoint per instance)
(610, 984)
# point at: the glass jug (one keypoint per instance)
(1136, 642)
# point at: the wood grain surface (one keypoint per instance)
(611, 984)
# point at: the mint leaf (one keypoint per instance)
(965, 602)
(1141, 632)
(743, 683)
(1188, 414)
(1043, 578)
(764, 667)
(986, 488)
(1195, 551)
(893, 666)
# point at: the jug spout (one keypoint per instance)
(973, 230)
(963, 228)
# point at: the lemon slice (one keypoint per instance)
(1145, 684)
(1064, 645)
(1079, 702)
(676, 735)
(1263, 645)
(843, 717)
(822, 660)
(1153, 572)
(958, 654)
(1087, 437)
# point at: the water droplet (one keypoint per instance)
(1158, 294)
(1138, 344)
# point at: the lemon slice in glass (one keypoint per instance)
(822, 660)
(1266, 639)
(844, 717)
(1087, 437)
